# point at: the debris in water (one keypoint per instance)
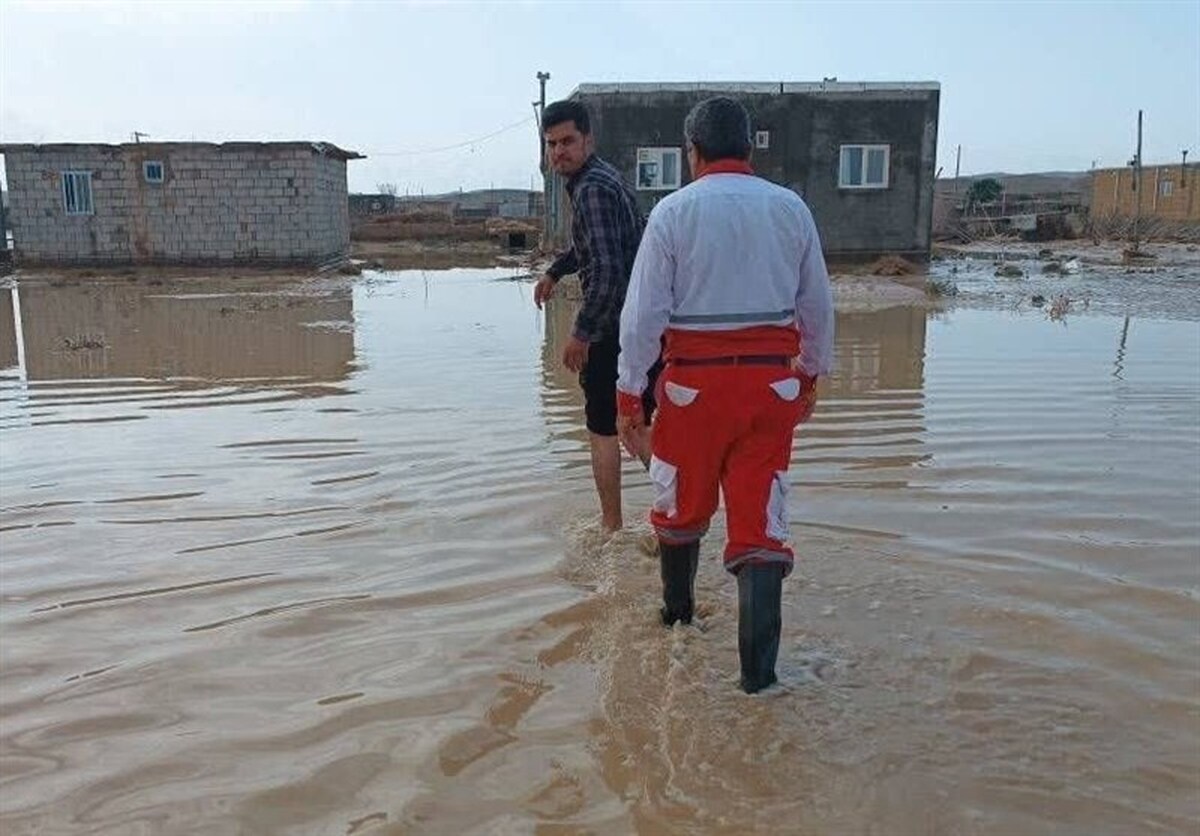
(84, 341)
(940, 287)
(1008, 270)
(1138, 254)
(1060, 307)
(892, 265)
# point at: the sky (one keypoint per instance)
(1026, 86)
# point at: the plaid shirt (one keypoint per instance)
(606, 229)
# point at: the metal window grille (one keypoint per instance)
(77, 192)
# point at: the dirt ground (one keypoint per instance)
(429, 255)
(158, 275)
(1088, 252)
(858, 291)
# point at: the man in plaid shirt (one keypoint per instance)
(606, 228)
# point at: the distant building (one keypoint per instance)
(861, 154)
(372, 204)
(479, 204)
(178, 202)
(1168, 192)
(5, 253)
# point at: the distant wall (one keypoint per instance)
(216, 204)
(371, 204)
(1168, 192)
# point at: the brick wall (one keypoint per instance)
(331, 218)
(216, 204)
(1168, 192)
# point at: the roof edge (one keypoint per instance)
(323, 148)
(762, 87)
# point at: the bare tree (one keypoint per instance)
(388, 189)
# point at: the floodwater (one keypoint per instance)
(322, 558)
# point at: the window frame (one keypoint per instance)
(162, 171)
(866, 148)
(657, 155)
(70, 194)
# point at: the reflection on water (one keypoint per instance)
(869, 430)
(562, 397)
(166, 348)
(87, 332)
(362, 589)
(9, 358)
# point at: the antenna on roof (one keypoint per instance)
(137, 136)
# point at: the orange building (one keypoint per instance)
(1168, 192)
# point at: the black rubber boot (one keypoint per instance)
(760, 589)
(678, 563)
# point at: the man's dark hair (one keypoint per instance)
(567, 111)
(719, 128)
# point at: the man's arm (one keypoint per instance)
(646, 313)
(564, 265)
(814, 305)
(597, 212)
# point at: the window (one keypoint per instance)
(1166, 188)
(658, 169)
(864, 167)
(153, 169)
(77, 192)
(762, 140)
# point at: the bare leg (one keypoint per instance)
(606, 468)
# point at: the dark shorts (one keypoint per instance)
(599, 382)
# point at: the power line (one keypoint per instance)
(475, 141)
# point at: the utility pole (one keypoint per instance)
(1137, 187)
(537, 126)
(541, 108)
(957, 166)
(548, 203)
(1183, 170)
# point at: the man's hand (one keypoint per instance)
(808, 396)
(635, 437)
(631, 427)
(575, 354)
(543, 290)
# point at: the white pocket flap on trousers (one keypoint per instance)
(679, 395)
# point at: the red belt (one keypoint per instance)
(735, 360)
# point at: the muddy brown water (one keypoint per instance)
(322, 558)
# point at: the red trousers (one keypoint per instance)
(729, 429)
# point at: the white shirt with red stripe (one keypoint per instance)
(729, 265)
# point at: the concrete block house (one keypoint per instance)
(1168, 193)
(862, 154)
(268, 203)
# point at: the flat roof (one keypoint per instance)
(324, 148)
(1145, 167)
(765, 87)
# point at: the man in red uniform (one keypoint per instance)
(731, 269)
